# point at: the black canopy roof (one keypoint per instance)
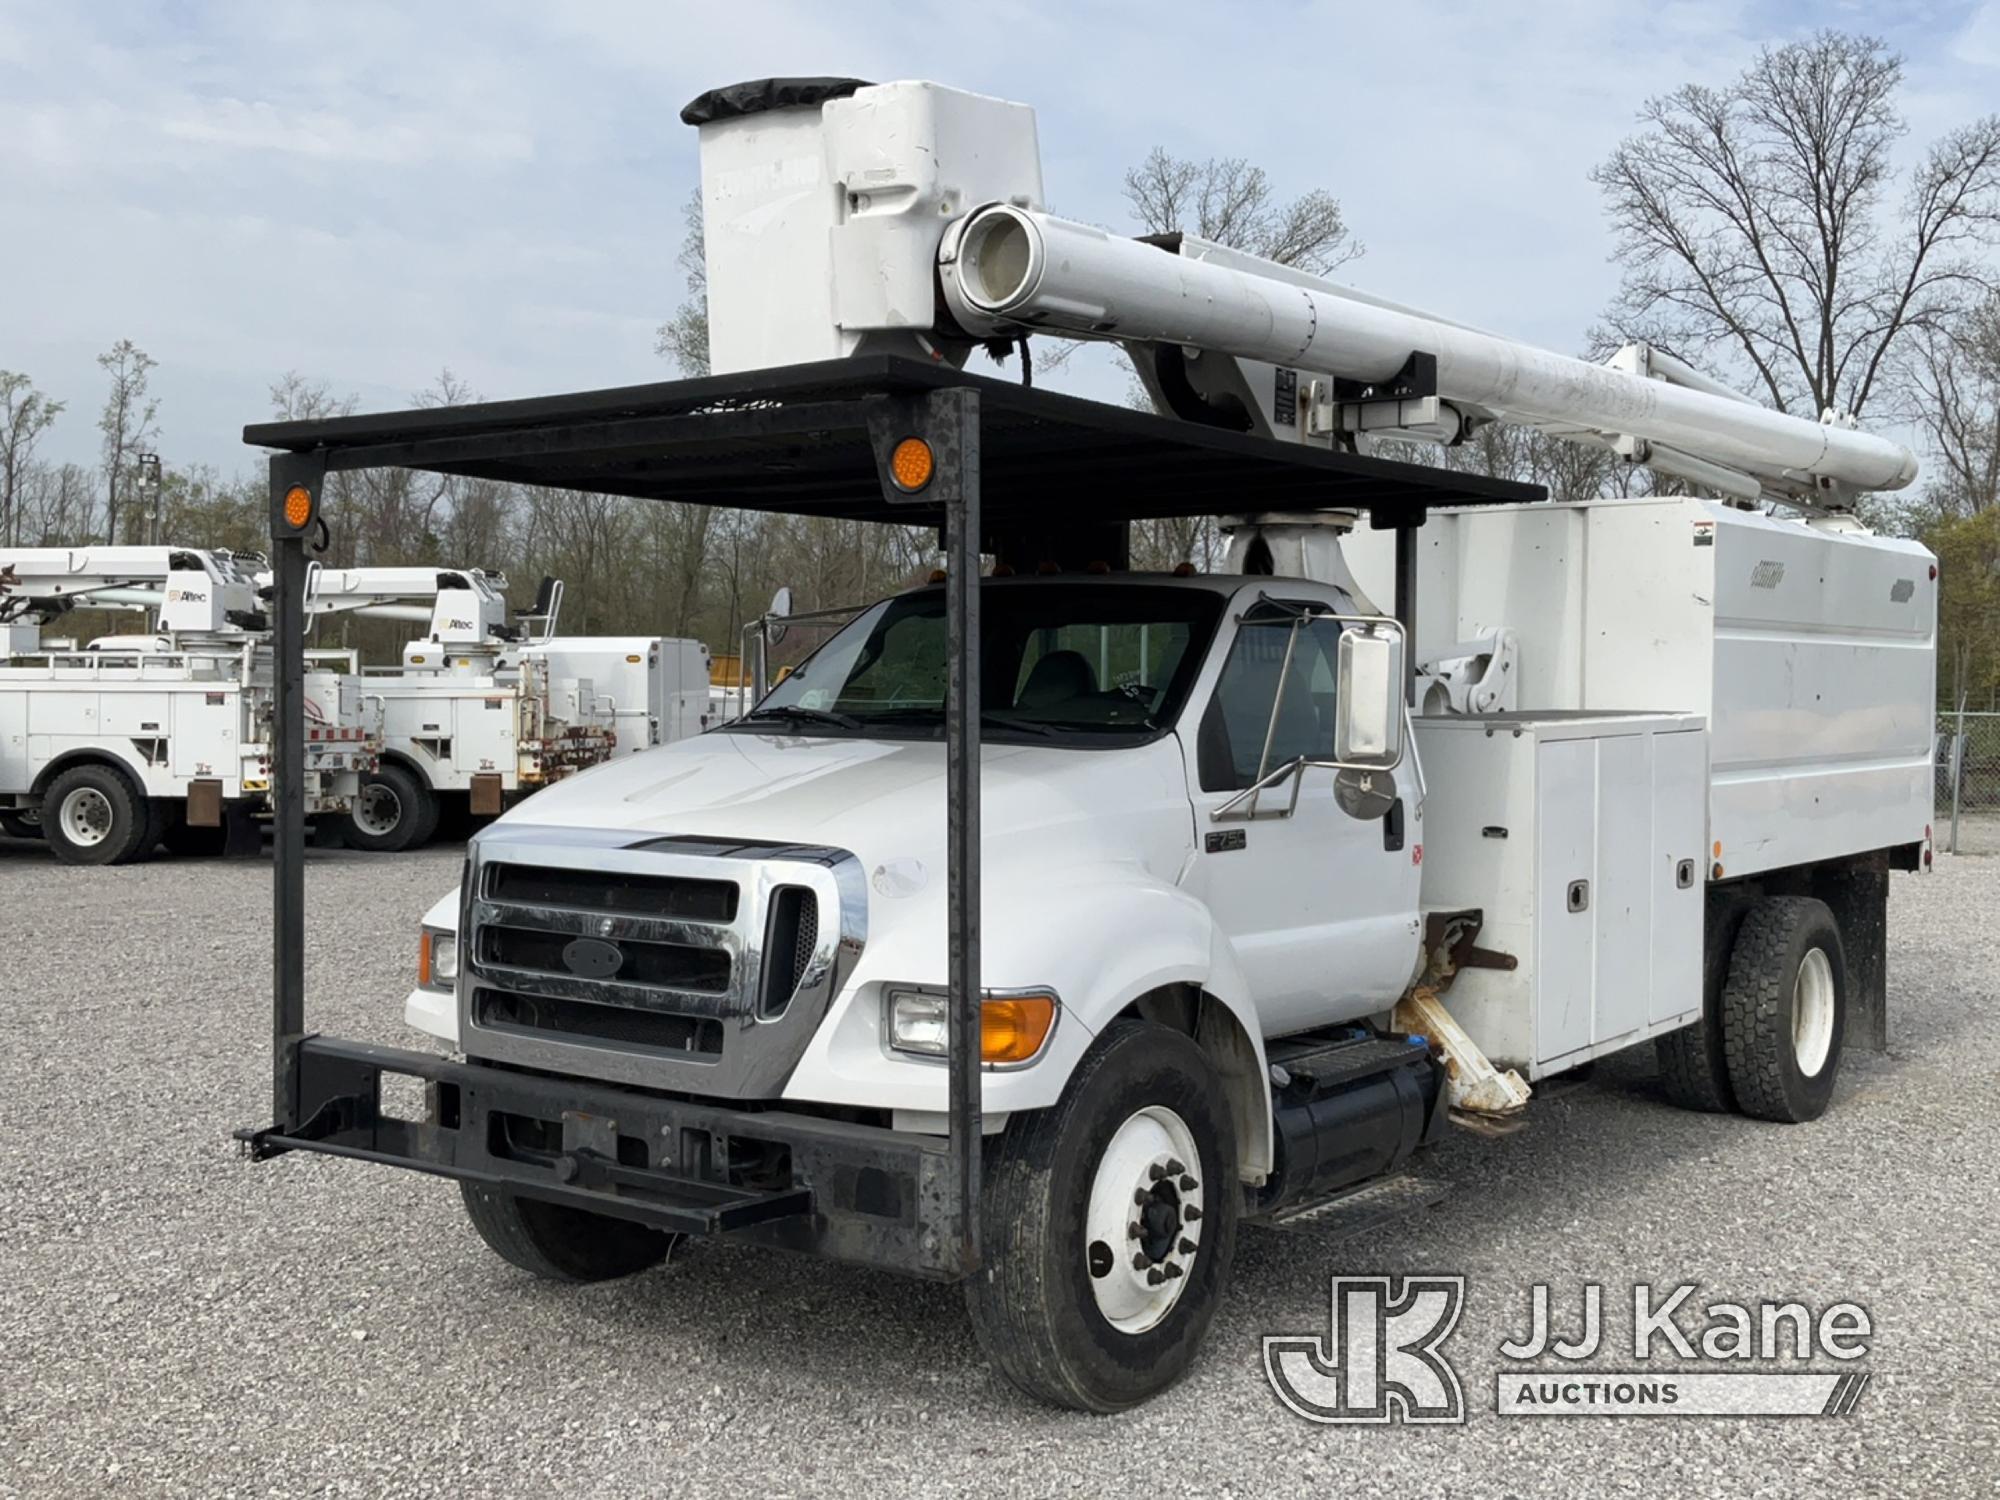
(795, 440)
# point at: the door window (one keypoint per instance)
(1232, 744)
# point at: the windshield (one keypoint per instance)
(1094, 664)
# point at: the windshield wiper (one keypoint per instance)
(794, 713)
(988, 718)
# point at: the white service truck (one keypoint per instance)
(1272, 885)
(481, 711)
(132, 742)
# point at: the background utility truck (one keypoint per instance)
(1214, 929)
(132, 742)
(482, 711)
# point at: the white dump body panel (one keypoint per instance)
(1811, 652)
(1580, 837)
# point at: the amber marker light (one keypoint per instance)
(298, 507)
(1012, 1028)
(911, 465)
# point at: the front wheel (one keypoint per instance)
(1108, 1224)
(93, 815)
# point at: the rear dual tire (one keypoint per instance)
(1784, 1009)
(1774, 1016)
(393, 811)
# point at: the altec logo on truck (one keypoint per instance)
(1168, 961)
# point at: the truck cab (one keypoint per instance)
(1131, 717)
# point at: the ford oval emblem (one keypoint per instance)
(587, 958)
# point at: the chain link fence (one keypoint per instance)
(1968, 782)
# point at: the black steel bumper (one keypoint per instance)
(851, 1192)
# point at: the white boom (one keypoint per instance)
(1009, 268)
(832, 224)
(198, 593)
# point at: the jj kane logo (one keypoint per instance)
(1382, 1358)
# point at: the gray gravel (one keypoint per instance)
(175, 1320)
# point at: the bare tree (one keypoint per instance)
(127, 421)
(1754, 221)
(25, 414)
(1957, 378)
(683, 338)
(1228, 200)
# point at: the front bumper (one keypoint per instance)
(859, 1193)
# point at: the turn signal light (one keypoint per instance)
(911, 465)
(424, 959)
(298, 507)
(1013, 1028)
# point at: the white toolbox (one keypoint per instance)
(1580, 836)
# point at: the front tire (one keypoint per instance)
(1101, 1265)
(93, 815)
(392, 812)
(1784, 1009)
(559, 1243)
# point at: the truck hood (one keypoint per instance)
(884, 800)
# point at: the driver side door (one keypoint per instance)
(1320, 907)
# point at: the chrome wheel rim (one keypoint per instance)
(1812, 1012)
(86, 817)
(1144, 1223)
(378, 810)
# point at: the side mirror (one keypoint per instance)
(1368, 723)
(781, 606)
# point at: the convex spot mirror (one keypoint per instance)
(1368, 723)
(781, 606)
(1366, 795)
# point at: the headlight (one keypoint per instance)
(437, 959)
(1013, 1028)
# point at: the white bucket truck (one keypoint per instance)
(131, 742)
(484, 711)
(1212, 925)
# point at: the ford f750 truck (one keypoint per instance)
(1052, 921)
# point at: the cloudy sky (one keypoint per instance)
(367, 192)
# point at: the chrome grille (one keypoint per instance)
(663, 963)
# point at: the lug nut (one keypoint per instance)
(1187, 1246)
(1188, 1184)
(1139, 1262)
(1133, 1231)
(1191, 1214)
(1173, 1271)
(1174, 1166)
(1141, 1198)
(1155, 1276)
(1156, 1171)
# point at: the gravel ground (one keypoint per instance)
(177, 1321)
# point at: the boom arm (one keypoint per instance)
(197, 592)
(833, 218)
(1008, 269)
(461, 606)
